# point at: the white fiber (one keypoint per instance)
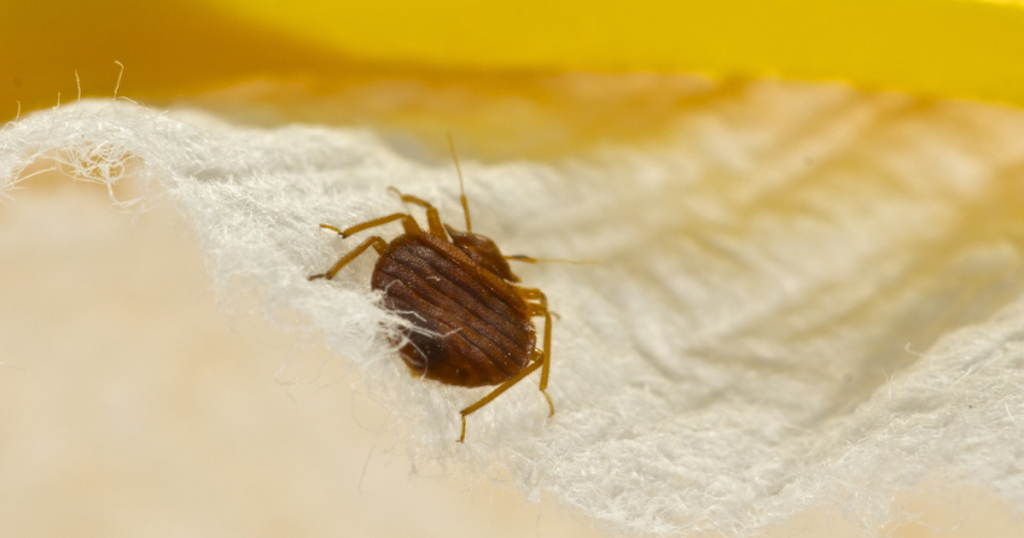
(805, 296)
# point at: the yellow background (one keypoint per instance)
(947, 48)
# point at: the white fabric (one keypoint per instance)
(806, 296)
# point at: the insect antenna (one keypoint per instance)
(531, 259)
(462, 188)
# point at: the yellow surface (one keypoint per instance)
(942, 47)
(930, 47)
(167, 48)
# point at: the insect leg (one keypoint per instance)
(532, 367)
(545, 358)
(534, 294)
(433, 217)
(374, 241)
(407, 221)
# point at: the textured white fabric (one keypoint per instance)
(805, 297)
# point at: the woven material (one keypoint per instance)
(804, 296)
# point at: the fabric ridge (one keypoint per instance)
(803, 296)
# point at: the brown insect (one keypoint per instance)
(473, 323)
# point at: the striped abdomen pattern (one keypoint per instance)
(473, 329)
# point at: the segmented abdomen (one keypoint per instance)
(474, 332)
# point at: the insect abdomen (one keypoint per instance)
(476, 332)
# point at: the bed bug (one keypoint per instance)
(471, 322)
